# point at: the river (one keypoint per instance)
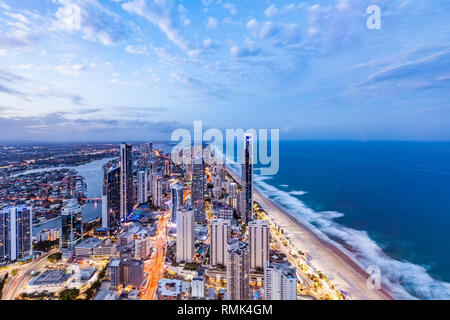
(92, 174)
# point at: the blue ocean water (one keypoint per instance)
(386, 202)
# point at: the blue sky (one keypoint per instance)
(138, 69)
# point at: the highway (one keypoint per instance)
(14, 286)
(155, 266)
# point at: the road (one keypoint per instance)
(13, 287)
(154, 268)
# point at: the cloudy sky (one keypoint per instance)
(138, 69)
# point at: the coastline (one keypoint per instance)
(339, 268)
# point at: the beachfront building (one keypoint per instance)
(15, 233)
(280, 282)
(71, 225)
(198, 188)
(238, 271)
(259, 239)
(220, 235)
(247, 180)
(185, 236)
(111, 199)
(126, 181)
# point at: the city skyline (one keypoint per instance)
(127, 70)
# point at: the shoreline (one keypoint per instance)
(338, 267)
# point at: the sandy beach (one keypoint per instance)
(341, 270)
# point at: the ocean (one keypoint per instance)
(388, 203)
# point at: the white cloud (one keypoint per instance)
(159, 13)
(136, 49)
(271, 11)
(212, 23)
(70, 70)
(92, 19)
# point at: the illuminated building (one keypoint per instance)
(71, 225)
(247, 180)
(15, 233)
(126, 181)
(259, 239)
(198, 189)
(177, 200)
(185, 236)
(238, 272)
(111, 199)
(280, 282)
(220, 235)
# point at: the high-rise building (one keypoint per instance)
(259, 239)
(147, 149)
(142, 185)
(198, 284)
(198, 189)
(157, 192)
(111, 199)
(142, 246)
(185, 236)
(131, 273)
(280, 282)
(238, 272)
(247, 179)
(114, 273)
(71, 225)
(126, 181)
(220, 235)
(15, 233)
(177, 200)
(167, 168)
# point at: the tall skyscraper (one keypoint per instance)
(15, 233)
(167, 170)
(177, 200)
(238, 272)
(247, 179)
(126, 181)
(142, 185)
(157, 192)
(131, 273)
(259, 239)
(198, 188)
(111, 199)
(147, 149)
(280, 282)
(220, 235)
(185, 236)
(71, 225)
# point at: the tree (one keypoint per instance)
(69, 294)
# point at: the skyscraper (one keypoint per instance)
(259, 239)
(280, 282)
(15, 233)
(247, 179)
(185, 236)
(157, 192)
(198, 188)
(238, 272)
(71, 225)
(177, 200)
(142, 185)
(220, 235)
(126, 181)
(111, 199)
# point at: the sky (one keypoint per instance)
(73, 70)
